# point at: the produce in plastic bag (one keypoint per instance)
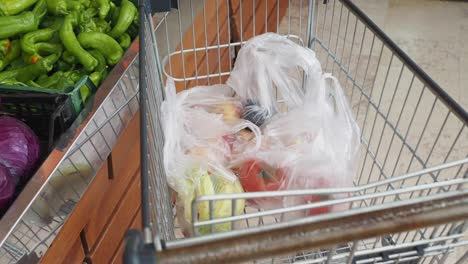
(271, 67)
(202, 182)
(208, 117)
(198, 127)
(312, 146)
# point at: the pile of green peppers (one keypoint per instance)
(54, 43)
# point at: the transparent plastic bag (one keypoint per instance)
(196, 123)
(199, 179)
(271, 67)
(203, 120)
(313, 146)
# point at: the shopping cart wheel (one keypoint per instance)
(136, 251)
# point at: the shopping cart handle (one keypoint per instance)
(136, 251)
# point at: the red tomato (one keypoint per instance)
(280, 178)
(250, 176)
(318, 210)
(257, 176)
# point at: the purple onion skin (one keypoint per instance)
(19, 148)
(7, 188)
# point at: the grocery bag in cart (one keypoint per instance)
(197, 153)
(313, 143)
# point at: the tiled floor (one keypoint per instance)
(433, 33)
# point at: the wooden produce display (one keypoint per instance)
(95, 230)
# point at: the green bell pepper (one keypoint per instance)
(57, 24)
(54, 23)
(69, 58)
(58, 80)
(13, 53)
(102, 65)
(8, 75)
(89, 23)
(32, 83)
(125, 41)
(30, 58)
(111, 12)
(68, 81)
(32, 71)
(127, 13)
(13, 82)
(52, 82)
(74, 5)
(5, 45)
(63, 66)
(14, 25)
(101, 25)
(42, 78)
(29, 40)
(96, 78)
(108, 46)
(69, 40)
(57, 7)
(40, 10)
(103, 7)
(45, 48)
(113, 15)
(101, 70)
(85, 3)
(64, 7)
(76, 75)
(16, 63)
(13, 7)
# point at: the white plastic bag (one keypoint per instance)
(314, 145)
(199, 120)
(200, 179)
(271, 67)
(196, 123)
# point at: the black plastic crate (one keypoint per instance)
(47, 115)
(47, 112)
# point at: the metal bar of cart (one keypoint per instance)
(151, 132)
(309, 233)
(145, 210)
(137, 248)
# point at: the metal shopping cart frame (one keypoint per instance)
(440, 209)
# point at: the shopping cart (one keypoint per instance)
(410, 200)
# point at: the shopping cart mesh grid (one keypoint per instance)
(414, 136)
